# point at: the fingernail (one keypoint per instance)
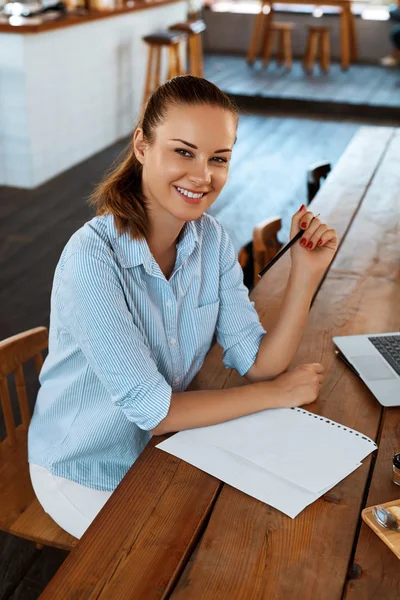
(309, 245)
(302, 207)
(303, 225)
(320, 243)
(303, 242)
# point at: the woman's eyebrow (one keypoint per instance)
(195, 147)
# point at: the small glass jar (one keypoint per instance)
(396, 469)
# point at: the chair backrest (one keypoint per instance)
(14, 352)
(265, 243)
(315, 173)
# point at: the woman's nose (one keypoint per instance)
(200, 174)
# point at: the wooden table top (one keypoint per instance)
(173, 531)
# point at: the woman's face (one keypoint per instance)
(187, 165)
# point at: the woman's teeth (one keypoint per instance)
(189, 194)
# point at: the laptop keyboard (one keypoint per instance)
(389, 347)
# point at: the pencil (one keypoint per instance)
(284, 249)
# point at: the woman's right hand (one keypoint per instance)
(299, 386)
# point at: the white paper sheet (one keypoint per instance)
(243, 475)
(304, 449)
(285, 457)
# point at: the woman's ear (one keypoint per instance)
(139, 145)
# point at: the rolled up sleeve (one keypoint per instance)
(91, 305)
(239, 330)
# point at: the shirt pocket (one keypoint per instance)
(205, 321)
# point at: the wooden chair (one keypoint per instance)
(283, 31)
(315, 174)
(21, 514)
(193, 29)
(318, 38)
(156, 42)
(264, 247)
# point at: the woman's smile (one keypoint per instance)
(189, 196)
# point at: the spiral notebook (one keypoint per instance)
(285, 457)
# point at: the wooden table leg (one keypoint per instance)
(255, 38)
(353, 37)
(345, 37)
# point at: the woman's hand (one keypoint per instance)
(313, 253)
(299, 386)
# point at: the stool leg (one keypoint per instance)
(193, 61)
(287, 49)
(179, 66)
(172, 62)
(149, 74)
(157, 72)
(311, 51)
(325, 52)
(255, 38)
(199, 55)
(281, 49)
(345, 38)
(353, 37)
(269, 42)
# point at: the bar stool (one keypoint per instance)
(317, 36)
(284, 53)
(156, 42)
(194, 30)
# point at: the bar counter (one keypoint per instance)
(73, 18)
(68, 92)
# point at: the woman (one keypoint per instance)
(138, 294)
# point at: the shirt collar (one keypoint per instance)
(132, 253)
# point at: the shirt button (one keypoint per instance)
(172, 341)
(169, 303)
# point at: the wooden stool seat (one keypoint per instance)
(318, 28)
(156, 42)
(194, 30)
(21, 513)
(284, 52)
(318, 38)
(189, 27)
(283, 26)
(164, 38)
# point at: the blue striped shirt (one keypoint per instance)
(122, 338)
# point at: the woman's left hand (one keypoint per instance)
(315, 250)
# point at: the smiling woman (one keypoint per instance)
(139, 293)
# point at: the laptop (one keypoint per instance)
(376, 359)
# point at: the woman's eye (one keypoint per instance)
(183, 152)
(219, 159)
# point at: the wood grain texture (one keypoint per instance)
(252, 551)
(374, 572)
(139, 543)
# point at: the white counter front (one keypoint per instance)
(68, 93)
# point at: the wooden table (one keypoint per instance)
(348, 34)
(173, 531)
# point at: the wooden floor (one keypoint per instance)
(267, 177)
(364, 90)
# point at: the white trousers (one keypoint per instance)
(71, 505)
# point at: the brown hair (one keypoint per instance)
(120, 191)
